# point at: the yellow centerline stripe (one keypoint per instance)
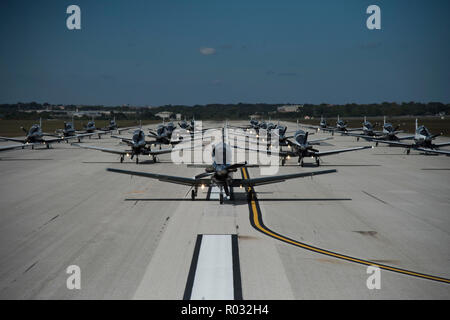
(326, 252)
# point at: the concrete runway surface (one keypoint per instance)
(135, 238)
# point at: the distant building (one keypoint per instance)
(255, 117)
(289, 108)
(178, 116)
(164, 114)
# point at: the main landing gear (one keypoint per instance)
(300, 161)
(121, 158)
(194, 193)
(318, 162)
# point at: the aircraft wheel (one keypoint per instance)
(283, 162)
(376, 144)
(121, 159)
(137, 160)
(408, 151)
(302, 163)
(318, 162)
(193, 195)
(357, 139)
(48, 146)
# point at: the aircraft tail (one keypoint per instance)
(417, 125)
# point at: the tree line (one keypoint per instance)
(231, 111)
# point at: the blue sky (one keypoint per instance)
(198, 52)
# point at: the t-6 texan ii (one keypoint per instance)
(33, 136)
(138, 146)
(303, 148)
(220, 174)
(423, 141)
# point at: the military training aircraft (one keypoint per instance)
(423, 141)
(139, 146)
(220, 174)
(33, 136)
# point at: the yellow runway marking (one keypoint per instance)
(259, 225)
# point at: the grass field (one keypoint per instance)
(11, 128)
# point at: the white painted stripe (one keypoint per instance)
(214, 274)
(215, 192)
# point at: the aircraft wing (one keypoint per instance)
(394, 143)
(276, 179)
(269, 152)
(123, 138)
(316, 141)
(309, 126)
(165, 178)
(353, 129)
(56, 140)
(442, 144)
(330, 152)
(127, 128)
(406, 138)
(15, 146)
(12, 139)
(447, 152)
(169, 150)
(358, 135)
(121, 152)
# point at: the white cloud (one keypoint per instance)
(207, 51)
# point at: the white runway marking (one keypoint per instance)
(214, 274)
(215, 192)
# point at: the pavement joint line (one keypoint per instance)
(257, 222)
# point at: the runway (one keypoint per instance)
(135, 238)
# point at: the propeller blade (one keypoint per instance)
(203, 175)
(237, 165)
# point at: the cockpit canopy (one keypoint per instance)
(422, 130)
(300, 136)
(34, 128)
(91, 124)
(160, 130)
(170, 126)
(138, 135)
(388, 127)
(368, 125)
(221, 153)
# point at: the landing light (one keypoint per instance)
(203, 186)
(240, 187)
(128, 154)
(288, 157)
